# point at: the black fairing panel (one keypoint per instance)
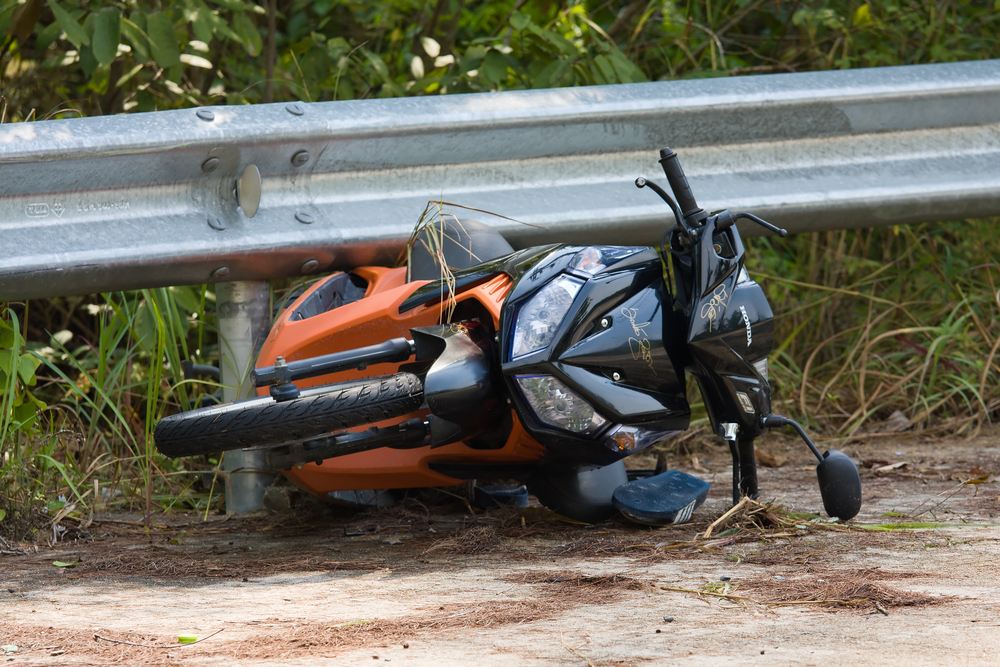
(648, 388)
(458, 387)
(722, 350)
(630, 296)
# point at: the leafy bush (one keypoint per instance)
(101, 56)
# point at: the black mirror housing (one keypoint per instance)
(839, 484)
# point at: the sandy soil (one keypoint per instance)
(426, 583)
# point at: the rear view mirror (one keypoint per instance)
(840, 485)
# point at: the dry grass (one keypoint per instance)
(475, 540)
(845, 589)
(161, 562)
(554, 592)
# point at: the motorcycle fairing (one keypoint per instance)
(376, 317)
(585, 354)
(730, 327)
(458, 387)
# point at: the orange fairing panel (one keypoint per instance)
(371, 320)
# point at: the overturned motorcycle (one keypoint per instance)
(554, 364)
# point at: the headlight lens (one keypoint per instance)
(556, 405)
(540, 317)
(594, 258)
(630, 439)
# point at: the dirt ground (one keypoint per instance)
(429, 583)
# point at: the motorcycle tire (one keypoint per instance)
(262, 421)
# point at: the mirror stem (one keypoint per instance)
(777, 420)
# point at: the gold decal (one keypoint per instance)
(713, 308)
(639, 346)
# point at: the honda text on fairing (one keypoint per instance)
(554, 364)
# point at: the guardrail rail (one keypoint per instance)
(145, 200)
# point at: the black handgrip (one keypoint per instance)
(679, 184)
(392, 350)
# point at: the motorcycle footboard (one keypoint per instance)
(663, 499)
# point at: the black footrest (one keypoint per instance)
(667, 498)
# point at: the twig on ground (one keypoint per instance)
(735, 508)
(577, 652)
(119, 641)
(727, 596)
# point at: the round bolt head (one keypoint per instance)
(216, 223)
(220, 272)
(248, 191)
(210, 165)
(616, 376)
(309, 266)
(300, 158)
(305, 218)
(295, 108)
(605, 322)
(206, 115)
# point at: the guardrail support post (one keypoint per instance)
(244, 310)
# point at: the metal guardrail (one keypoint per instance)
(147, 200)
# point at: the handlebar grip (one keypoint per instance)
(678, 182)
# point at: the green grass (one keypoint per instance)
(876, 321)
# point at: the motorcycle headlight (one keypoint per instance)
(556, 405)
(630, 439)
(539, 318)
(594, 258)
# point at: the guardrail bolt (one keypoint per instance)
(216, 223)
(210, 165)
(300, 158)
(220, 272)
(309, 266)
(305, 218)
(206, 115)
(295, 108)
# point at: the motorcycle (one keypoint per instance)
(548, 365)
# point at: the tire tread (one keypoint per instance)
(256, 423)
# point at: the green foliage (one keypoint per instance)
(18, 406)
(871, 322)
(103, 396)
(105, 57)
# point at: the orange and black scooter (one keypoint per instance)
(548, 365)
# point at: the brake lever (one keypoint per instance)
(733, 217)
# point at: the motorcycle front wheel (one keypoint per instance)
(262, 421)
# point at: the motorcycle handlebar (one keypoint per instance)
(678, 182)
